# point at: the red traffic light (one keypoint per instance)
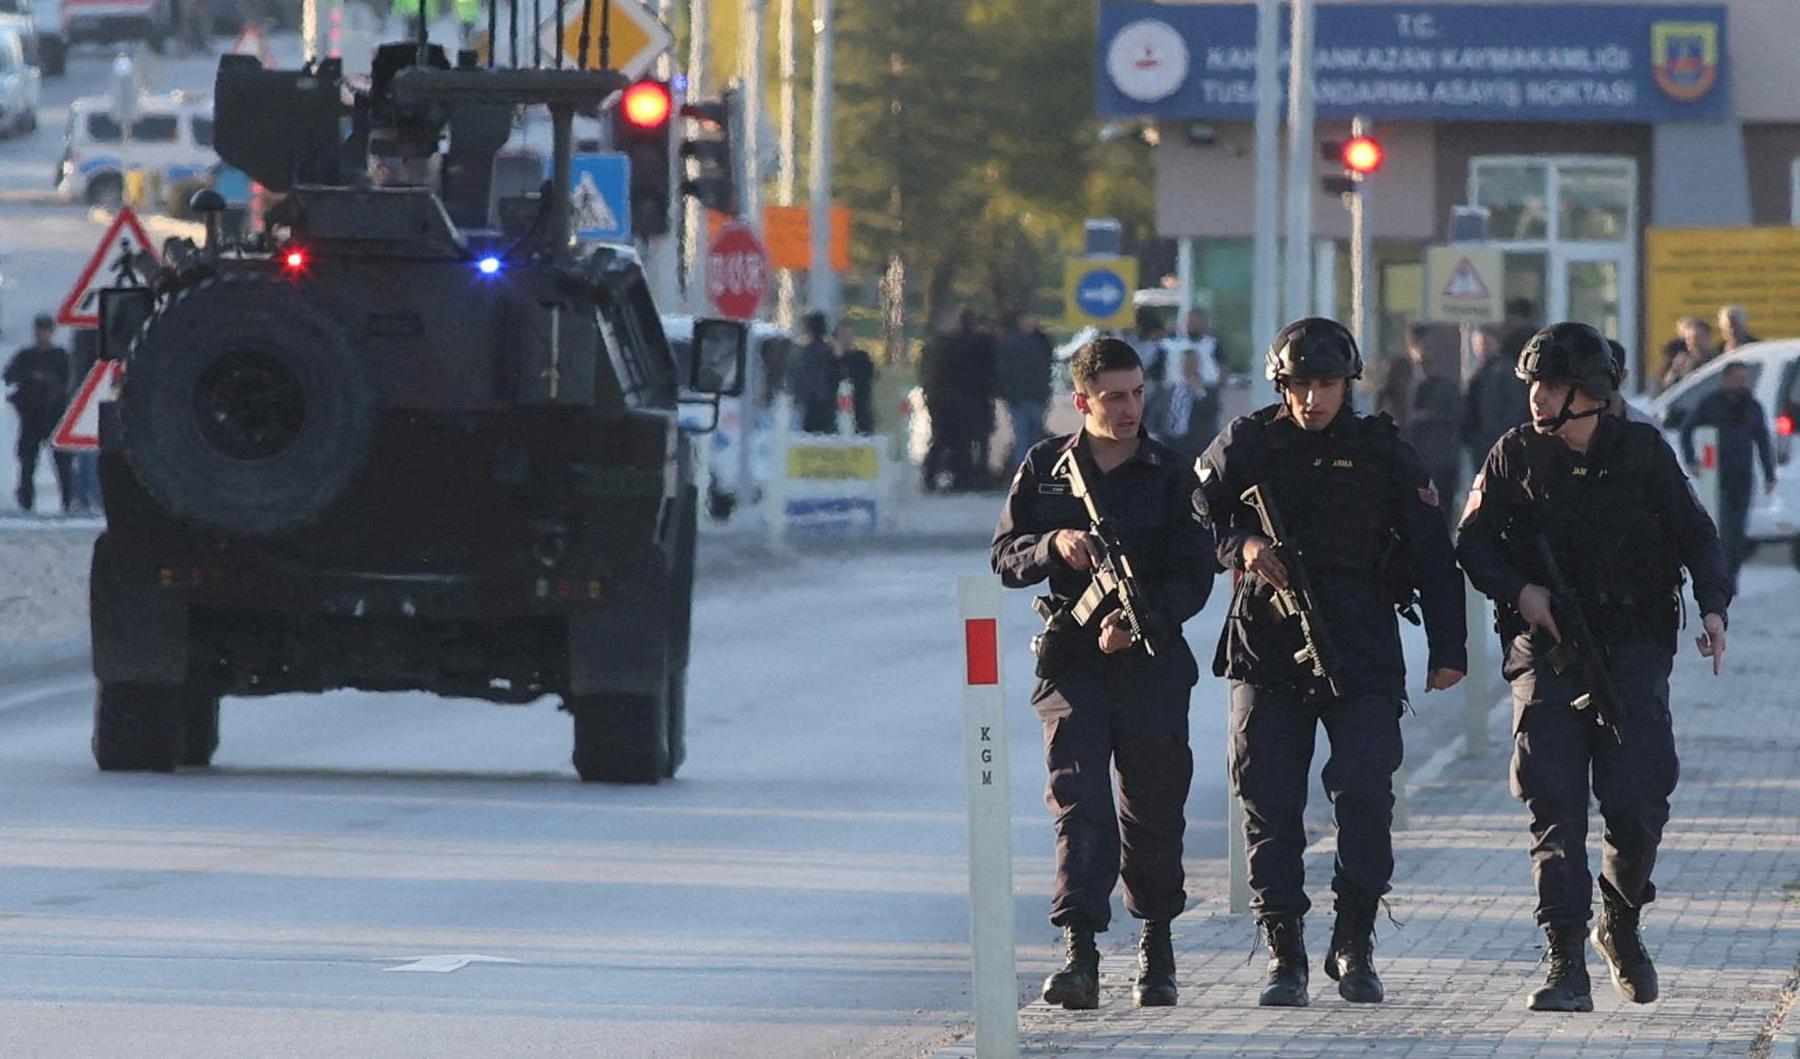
(1362, 155)
(647, 104)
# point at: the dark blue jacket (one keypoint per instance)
(1358, 608)
(1742, 428)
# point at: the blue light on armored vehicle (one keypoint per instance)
(489, 265)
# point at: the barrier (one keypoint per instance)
(995, 993)
(826, 484)
(1706, 474)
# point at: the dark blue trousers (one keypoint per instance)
(1126, 713)
(1270, 758)
(1555, 751)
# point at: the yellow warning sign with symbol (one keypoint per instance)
(1465, 284)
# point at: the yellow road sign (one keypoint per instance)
(637, 36)
(1694, 271)
(1465, 284)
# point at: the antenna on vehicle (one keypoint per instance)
(605, 34)
(493, 31)
(587, 17)
(537, 38)
(559, 33)
(512, 18)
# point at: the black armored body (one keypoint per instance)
(412, 436)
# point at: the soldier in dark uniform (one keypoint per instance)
(1359, 507)
(1103, 698)
(1610, 501)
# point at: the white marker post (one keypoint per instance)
(1706, 479)
(996, 992)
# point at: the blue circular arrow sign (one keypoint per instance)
(1099, 292)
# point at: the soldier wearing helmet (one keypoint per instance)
(1363, 517)
(1606, 498)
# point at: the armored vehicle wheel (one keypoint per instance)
(138, 727)
(200, 717)
(620, 737)
(246, 410)
(1794, 552)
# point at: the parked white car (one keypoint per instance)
(1775, 381)
(19, 85)
(170, 134)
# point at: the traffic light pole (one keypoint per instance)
(1299, 161)
(821, 281)
(1360, 250)
(694, 218)
(1266, 264)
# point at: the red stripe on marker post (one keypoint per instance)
(981, 639)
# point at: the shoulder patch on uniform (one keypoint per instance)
(1428, 494)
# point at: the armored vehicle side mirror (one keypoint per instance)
(720, 347)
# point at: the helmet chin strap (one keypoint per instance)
(1555, 423)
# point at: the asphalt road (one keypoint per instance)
(799, 890)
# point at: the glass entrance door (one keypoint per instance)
(1568, 225)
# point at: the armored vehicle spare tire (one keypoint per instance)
(245, 409)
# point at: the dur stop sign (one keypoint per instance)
(737, 272)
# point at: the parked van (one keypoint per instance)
(1775, 382)
(18, 85)
(106, 21)
(171, 135)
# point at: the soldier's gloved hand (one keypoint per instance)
(1712, 641)
(1115, 635)
(1534, 607)
(1442, 679)
(1260, 559)
(1078, 548)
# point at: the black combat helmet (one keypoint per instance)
(1573, 353)
(1314, 348)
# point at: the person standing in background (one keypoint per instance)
(1734, 330)
(1024, 354)
(37, 378)
(1188, 415)
(1433, 421)
(1690, 348)
(1743, 432)
(858, 367)
(816, 378)
(1497, 399)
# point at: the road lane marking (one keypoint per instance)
(445, 963)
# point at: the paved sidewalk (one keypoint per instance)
(1725, 931)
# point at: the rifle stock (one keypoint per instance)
(1318, 653)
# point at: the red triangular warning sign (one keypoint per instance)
(79, 428)
(1465, 284)
(82, 307)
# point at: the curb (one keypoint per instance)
(18, 197)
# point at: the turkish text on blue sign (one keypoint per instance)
(1571, 62)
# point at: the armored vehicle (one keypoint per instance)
(410, 436)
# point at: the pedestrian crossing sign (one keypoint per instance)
(599, 196)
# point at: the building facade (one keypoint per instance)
(1578, 127)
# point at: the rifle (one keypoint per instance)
(1579, 651)
(1115, 585)
(1318, 653)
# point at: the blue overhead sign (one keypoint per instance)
(1471, 62)
(600, 196)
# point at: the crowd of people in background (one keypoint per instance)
(41, 379)
(974, 370)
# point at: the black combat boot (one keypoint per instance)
(1350, 962)
(1287, 963)
(1616, 936)
(1156, 966)
(1077, 986)
(1566, 988)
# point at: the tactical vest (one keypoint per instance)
(1604, 524)
(1334, 489)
